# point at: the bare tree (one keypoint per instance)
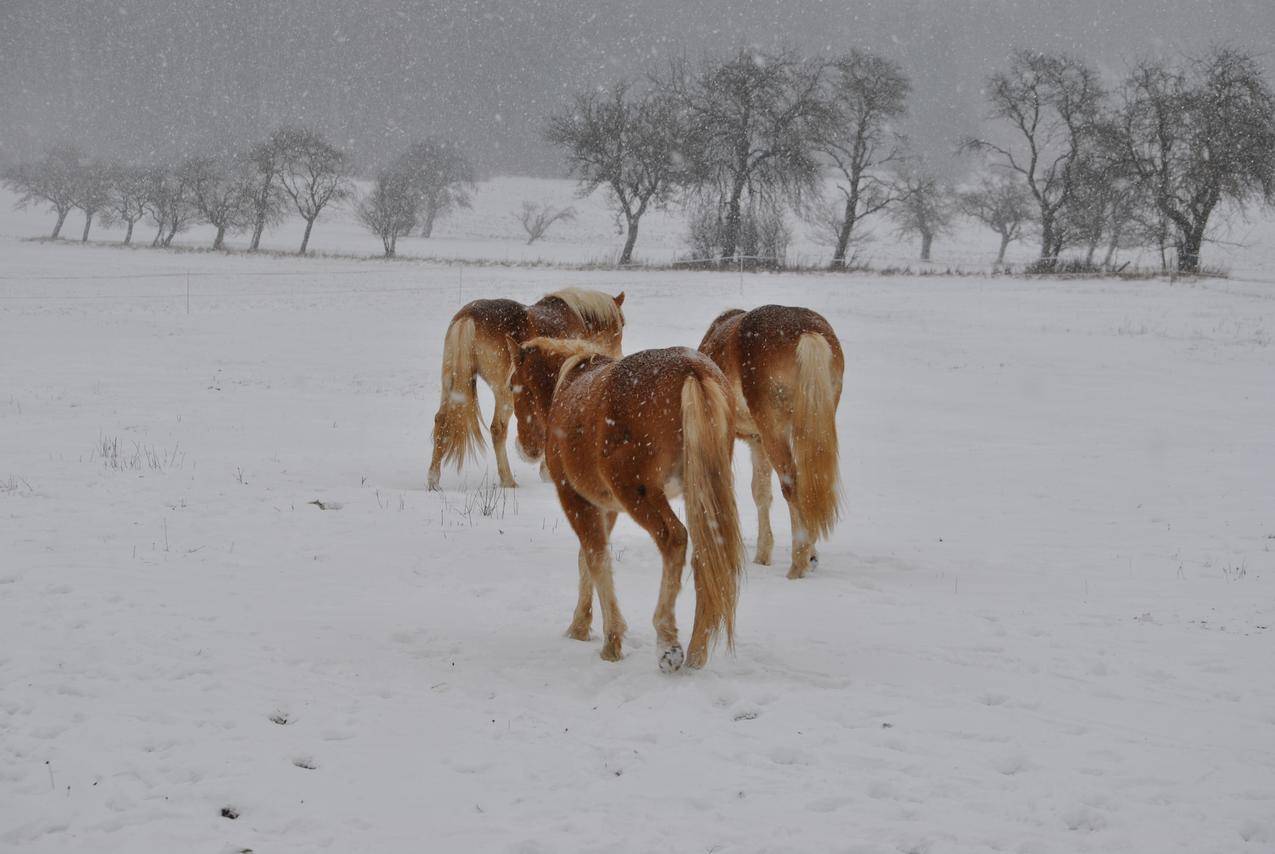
(630, 144)
(268, 199)
(1197, 135)
(758, 120)
(924, 208)
(167, 202)
(92, 192)
(761, 241)
(536, 219)
(126, 198)
(827, 219)
(221, 192)
(1103, 203)
(868, 93)
(1001, 203)
(441, 177)
(316, 174)
(1085, 216)
(390, 209)
(50, 181)
(1150, 227)
(1050, 103)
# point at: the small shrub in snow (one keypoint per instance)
(536, 219)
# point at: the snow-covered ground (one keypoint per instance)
(1045, 624)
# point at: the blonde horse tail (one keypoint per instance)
(717, 558)
(814, 437)
(456, 427)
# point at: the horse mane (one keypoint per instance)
(595, 309)
(572, 350)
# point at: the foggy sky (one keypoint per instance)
(151, 79)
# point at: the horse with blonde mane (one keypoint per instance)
(477, 345)
(626, 436)
(785, 368)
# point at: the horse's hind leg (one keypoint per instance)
(499, 432)
(780, 455)
(592, 526)
(436, 463)
(651, 510)
(440, 447)
(763, 497)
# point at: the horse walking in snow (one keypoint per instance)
(627, 435)
(478, 345)
(785, 367)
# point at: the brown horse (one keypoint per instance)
(785, 366)
(476, 346)
(626, 436)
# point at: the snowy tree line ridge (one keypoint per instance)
(738, 143)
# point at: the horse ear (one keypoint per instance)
(513, 349)
(619, 298)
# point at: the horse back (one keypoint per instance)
(757, 351)
(496, 318)
(619, 424)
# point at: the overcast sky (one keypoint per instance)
(150, 79)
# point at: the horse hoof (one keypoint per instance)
(671, 659)
(580, 633)
(763, 560)
(611, 649)
(509, 484)
(796, 572)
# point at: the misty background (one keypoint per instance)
(148, 79)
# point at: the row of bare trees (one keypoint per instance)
(739, 140)
(295, 170)
(1152, 160)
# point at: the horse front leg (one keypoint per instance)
(763, 497)
(582, 620)
(499, 432)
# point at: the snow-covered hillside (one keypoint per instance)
(1045, 623)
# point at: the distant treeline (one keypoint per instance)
(739, 143)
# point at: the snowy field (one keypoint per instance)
(1046, 623)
